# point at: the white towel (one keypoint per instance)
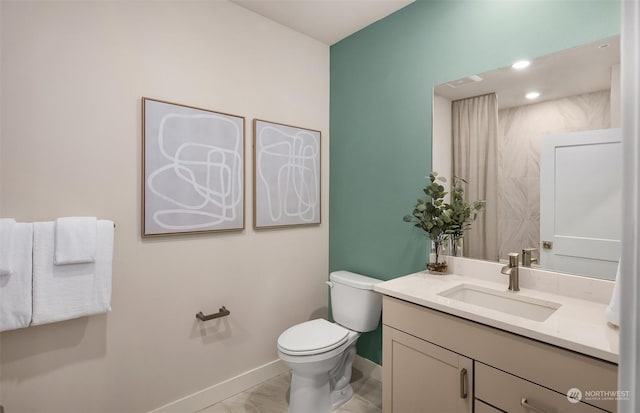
(62, 292)
(15, 289)
(75, 240)
(6, 244)
(613, 310)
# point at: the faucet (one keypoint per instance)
(527, 259)
(512, 271)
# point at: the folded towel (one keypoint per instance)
(62, 292)
(6, 244)
(15, 289)
(75, 240)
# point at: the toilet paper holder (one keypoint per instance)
(222, 312)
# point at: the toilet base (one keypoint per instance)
(324, 386)
(309, 394)
(340, 378)
(313, 391)
(340, 397)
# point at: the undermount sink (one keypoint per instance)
(513, 303)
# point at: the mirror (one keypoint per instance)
(556, 157)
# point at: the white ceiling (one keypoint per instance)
(570, 72)
(328, 21)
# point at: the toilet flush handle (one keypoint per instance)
(329, 283)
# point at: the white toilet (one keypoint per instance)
(320, 353)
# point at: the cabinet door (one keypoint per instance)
(420, 377)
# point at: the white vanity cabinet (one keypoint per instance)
(425, 352)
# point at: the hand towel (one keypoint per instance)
(75, 240)
(6, 244)
(613, 310)
(15, 289)
(62, 292)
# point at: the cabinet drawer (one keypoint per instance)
(481, 407)
(513, 394)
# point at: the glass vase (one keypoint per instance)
(437, 258)
(455, 246)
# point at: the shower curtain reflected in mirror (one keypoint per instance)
(475, 143)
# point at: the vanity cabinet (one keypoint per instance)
(425, 351)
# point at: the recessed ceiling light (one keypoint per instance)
(521, 64)
(532, 95)
(603, 46)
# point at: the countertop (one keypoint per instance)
(578, 325)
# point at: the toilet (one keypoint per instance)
(320, 353)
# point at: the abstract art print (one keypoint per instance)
(286, 171)
(192, 169)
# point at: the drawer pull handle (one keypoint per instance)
(524, 403)
(463, 383)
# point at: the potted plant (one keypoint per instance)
(433, 216)
(442, 221)
(462, 215)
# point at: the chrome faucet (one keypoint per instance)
(527, 259)
(512, 271)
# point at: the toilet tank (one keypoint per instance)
(354, 304)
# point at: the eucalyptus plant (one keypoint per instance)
(463, 213)
(439, 219)
(433, 215)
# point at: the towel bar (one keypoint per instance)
(222, 312)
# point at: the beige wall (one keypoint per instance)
(72, 77)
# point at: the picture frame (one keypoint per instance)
(193, 164)
(286, 175)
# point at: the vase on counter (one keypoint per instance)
(437, 258)
(455, 246)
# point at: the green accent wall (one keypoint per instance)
(381, 86)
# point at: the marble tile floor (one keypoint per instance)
(271, 397)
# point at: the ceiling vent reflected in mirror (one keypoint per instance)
(464, 81)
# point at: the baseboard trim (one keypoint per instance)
(221, 391)
(218, 392)
(368, 368)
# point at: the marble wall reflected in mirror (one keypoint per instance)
(579, 90)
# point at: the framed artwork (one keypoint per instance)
(192, 170)
(286, 175)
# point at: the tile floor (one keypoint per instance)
(271, 397)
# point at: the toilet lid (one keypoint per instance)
(312, 337)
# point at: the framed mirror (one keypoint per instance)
(539, 141)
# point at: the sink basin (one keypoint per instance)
(513, 303)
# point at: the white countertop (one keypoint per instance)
(578, 325)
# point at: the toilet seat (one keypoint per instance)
(312, 337)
